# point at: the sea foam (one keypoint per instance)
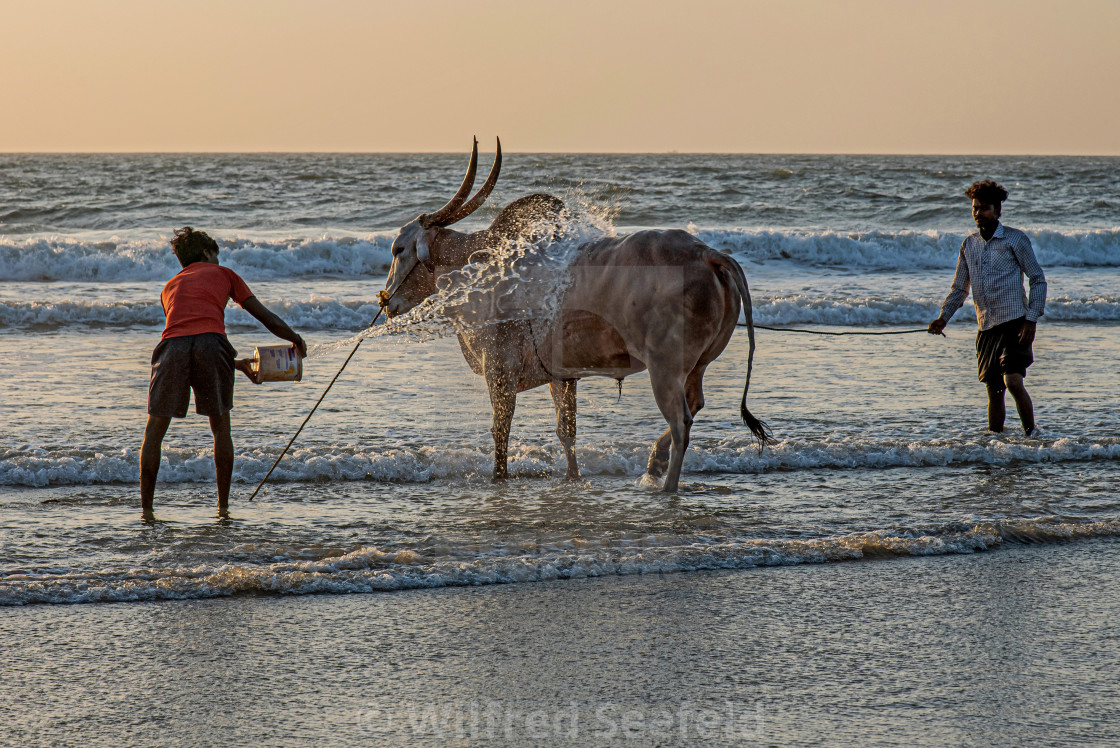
(323, 312)
(26, 465)
(366, 569)
(66, 258)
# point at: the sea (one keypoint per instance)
(886, 571)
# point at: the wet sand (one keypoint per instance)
(1013, 646)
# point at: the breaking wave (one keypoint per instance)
(327, 313)
(271, 570)
(26, 465)
(63, 258)
(903, 250)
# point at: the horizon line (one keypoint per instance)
(549, 153)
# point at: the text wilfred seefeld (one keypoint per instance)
(606, 720)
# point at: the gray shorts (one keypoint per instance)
(203, 363)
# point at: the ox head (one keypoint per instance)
(412, 276)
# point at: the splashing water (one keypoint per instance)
(519, 280)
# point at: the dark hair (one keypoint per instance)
(190, 245)
(986, 191)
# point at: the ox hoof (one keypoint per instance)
(656, 469)
(499, 479)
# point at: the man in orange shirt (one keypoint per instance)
(195, 354)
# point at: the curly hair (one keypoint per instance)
(190, 245)
(986, 191)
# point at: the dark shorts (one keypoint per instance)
(203, 363)
(999, 352)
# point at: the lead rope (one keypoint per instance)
(823, 332)
(383, 302)
(284, 451)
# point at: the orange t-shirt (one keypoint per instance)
(194, 301)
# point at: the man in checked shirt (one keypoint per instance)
(993, 262)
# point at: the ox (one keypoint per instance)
(657, 300)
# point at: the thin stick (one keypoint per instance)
(305, 420)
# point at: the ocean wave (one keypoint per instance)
(902, 250)
(317, 313)
(870, 311)
(327, 313)
(368, 569)
(63, 466)
(63, 258)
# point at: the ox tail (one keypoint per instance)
(760, 430)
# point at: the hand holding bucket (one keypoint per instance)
(273, 363)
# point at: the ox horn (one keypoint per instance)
(483, 192)
(441, 216)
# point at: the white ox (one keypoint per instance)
(657, 300)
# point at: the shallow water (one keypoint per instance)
(880, 455)
(1006, 647)
(388, 487)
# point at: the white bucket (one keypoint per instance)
(277, 363)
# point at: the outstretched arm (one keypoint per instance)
(274, 324)
(955, 298)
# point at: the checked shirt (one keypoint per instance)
(994, 269)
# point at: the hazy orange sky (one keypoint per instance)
(756, 76)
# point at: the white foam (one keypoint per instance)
(324, 253)
(327, 313)
(67, 258)
(372, 569)
(50, 466)
(903, 250)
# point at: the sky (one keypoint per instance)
(742, 76)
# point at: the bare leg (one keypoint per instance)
(997, 412)
(1022, 400)
(564, 398)
(149, 462)
(223, 459)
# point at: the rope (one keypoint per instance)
(305, 420)
(824, 332)
(383, 303)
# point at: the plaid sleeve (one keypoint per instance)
(957, 295)
(1024, 254)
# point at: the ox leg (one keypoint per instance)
(694, 395)
(669, 392)
(564, 398)
(503, 399)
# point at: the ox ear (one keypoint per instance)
(424, 252)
